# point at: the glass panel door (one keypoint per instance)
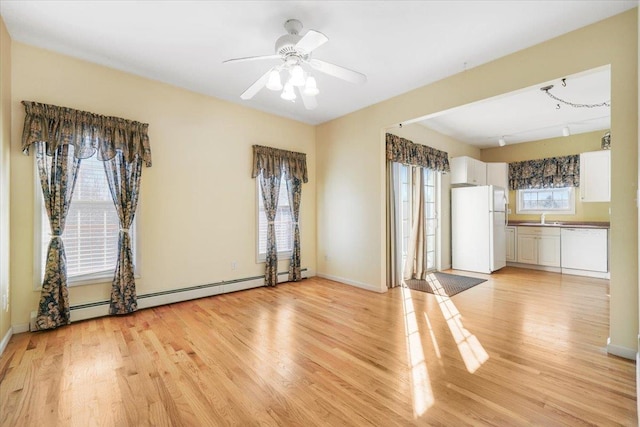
(404, 205)
(431, 220)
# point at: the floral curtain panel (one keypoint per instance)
(270, 187)
(294, 189)
(57, 173)
(553, 172)
(124, 184)
(270, 165)
(62, 137)
(404, 151)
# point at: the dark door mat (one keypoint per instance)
(443, 283)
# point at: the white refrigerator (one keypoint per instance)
(478, 228)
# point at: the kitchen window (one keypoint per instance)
(283, 224)
(546, 200)
(91, 229)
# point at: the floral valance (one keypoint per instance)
(87, 132)
(404, 151)
(273, 162)
(554, 172)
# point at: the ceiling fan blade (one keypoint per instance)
(337, 71)
(255, 87)
(252, 58)
(310, 41)
(310, 102)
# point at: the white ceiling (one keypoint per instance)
(530, 114)
(399, 45)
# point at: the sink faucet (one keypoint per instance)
(542, 218)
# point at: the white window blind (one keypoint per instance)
(91, 228)
(283, 224)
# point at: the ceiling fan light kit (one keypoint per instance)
(295, 52)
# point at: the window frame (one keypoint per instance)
(262, 257)
(570, 211)
(104, 276)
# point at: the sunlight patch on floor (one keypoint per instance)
(472, 352)
(422, 393)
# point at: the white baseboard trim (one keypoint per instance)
(360, 285)
(155, 299)
(5, 340)
(20, 328)
(596, 274)
(620, 351)
(535, 267)
(638, 377)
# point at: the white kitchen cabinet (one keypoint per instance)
(511, 244)
(595, 176)
(498, 174)
(539, 245)
(468, 171)
(549, 250)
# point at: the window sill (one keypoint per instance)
(262, 258)
(93, 280)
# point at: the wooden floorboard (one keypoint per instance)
(523, 348)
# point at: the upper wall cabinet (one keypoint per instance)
(468, 171)
(498, 174)
(595, 176)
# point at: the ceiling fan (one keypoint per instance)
(295, 53)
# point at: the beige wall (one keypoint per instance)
(563, 146)
(350, 157)
(5, 144)
(454, 148)
(197, 211)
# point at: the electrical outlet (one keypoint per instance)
(234, 265)
(509, 211)
(5, 301)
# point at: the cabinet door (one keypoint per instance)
(527, 249)
(595, 176)
(479, 172)
(459, 170)
(498, 174)
(549, 251)
(511, 244)
(469, 171)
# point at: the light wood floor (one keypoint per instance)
(523, 348)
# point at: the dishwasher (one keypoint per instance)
(584, 249)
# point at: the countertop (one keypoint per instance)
(560, 224)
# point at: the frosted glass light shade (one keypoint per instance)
(288, 94)
(297, 76)
(274, 82)
(311, 88)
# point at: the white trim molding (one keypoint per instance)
(620, 351)
(360, 285)
(5, 340)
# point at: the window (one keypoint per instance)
(91, 228)
(283, 224)
(549, 200)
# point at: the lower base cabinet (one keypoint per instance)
(512, 256)
(538, 245)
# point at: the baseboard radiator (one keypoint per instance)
(154, 299)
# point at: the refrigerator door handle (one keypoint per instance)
(506, 211)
